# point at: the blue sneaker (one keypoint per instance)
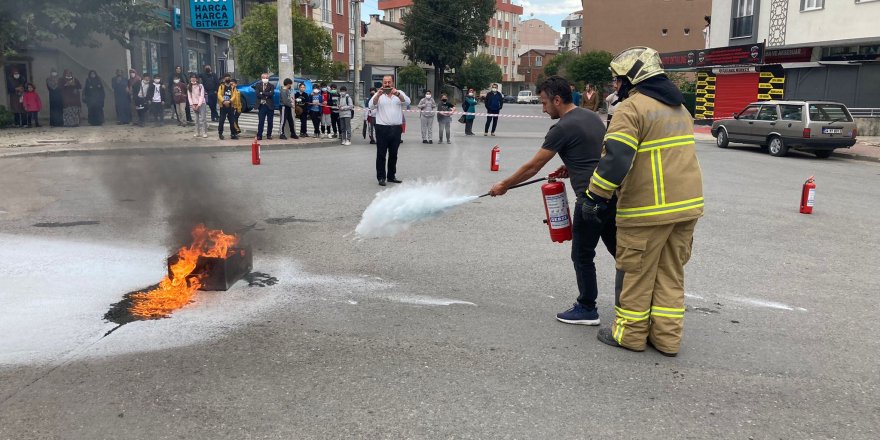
(579, 314)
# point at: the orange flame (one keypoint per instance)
(177, 291)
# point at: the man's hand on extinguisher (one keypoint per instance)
(594, 208)
(560, 173)
(498, 189)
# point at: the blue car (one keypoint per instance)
(249, 94)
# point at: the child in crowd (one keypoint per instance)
(444, 116)
(326, 119)
(32, 105)
(344, 109)
(180, 101)
(315, 107)
(236, 130)
(196, 94)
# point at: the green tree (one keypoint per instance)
(257, 44)
(558, 65)
(412, 75)
(25, 23)
(591, 68)
(479, 71)
(332, 70)
(442, 32)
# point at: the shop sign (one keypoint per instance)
(212, 14)
(718, 56)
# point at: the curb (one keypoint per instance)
(860, 157)
(162, 149)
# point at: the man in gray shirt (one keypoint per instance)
(577, 138)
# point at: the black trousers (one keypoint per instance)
(468, 126)
(316, 121)
(266, 115)
(334, 122)
(227, 114)
(286, 118)
(491, 120)
(584, 238)
(387, 143)
(212, 104)
(304, 122)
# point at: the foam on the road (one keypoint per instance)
(397, 209)
(54, 293)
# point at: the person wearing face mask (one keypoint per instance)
(427, 108)
(494, 103)
(70, 97)
(326, 119)
(333, 102)
(286, 117)
(316, 101)
(178, 91)
(121, 97)
(93, 96)
(156, 94)
(15, 87)
(211, 84)
(180, 75)
(56, 103)
(301, 99)
(265, 99)
(196, 95)
(32, 105)
(369, 117)
(344, 109)
(444, 117)
(230, 104)
(469, 106)
(141, 100)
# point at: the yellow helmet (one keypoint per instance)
(637, 64)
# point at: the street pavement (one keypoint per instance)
(444, 331)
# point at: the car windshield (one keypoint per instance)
(829, 112)
(749, 112)
(525, 93)
(791, 112)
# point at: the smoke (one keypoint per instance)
(396, 210)
(184, 190)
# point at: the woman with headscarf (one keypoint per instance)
(70, 88)
(15, 87)
(93, 96)
(122, 97)
(56, 112)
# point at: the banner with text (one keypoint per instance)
(716, 56)
(212, 14)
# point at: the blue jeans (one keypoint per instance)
(584, 238)
(266, 115)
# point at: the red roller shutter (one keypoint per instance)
(734, 92)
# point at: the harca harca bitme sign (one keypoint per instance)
(212, 14)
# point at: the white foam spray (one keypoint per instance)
(395, 210)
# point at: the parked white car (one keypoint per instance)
(526, 97)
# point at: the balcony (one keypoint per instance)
(741, 27)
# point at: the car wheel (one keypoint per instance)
(245, 108)
(776, 147)
(823, 154)
(722, 140)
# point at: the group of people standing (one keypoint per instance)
(66, 97)
(591, 99)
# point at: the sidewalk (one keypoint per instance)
(866, 148)
(111, 138)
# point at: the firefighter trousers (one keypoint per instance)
(650, 303)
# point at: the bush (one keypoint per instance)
(6, 117)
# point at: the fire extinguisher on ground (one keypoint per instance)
(556, 208)
(255, 152)
(495, 163)
(808, 196)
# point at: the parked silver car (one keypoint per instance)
(778, 126)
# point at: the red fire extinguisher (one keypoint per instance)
(255, 152)
(495, 163)
(808, 196)
(556, 207)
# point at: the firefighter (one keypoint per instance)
(649, 162)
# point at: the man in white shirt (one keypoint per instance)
(388, 104)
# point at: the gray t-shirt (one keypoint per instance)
(577, 138)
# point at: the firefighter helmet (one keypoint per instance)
(637, 64)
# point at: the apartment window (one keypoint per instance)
(743, 18)
(325, 11)
(351, 18)
(340, 43)
(390, 15)
(539, 61)
(812, 5)
(351, 52)
(340, 5)
(505, 70)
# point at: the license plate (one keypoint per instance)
(831, 131)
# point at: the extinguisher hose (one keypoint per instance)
(521, 184)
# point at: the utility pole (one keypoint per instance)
(285, 41)
(357, 43)
(184, 58)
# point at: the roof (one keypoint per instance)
(543, 52)
(398, 26)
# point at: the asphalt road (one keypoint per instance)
(444, 331)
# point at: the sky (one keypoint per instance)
(551, 11)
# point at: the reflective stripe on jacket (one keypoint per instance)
(649, 159)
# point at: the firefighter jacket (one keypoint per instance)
(232, 95)
(649, 160)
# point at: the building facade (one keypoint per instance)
(572, 30)
(665, 25)
(531, 65)
(500, 39)
(821, 49)
(536, 34)
(339, 19)
(383, 55)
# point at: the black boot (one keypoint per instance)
(604, 336)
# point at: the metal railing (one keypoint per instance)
(864, 112)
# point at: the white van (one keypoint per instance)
(526, 97)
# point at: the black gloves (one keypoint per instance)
(594, 208)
